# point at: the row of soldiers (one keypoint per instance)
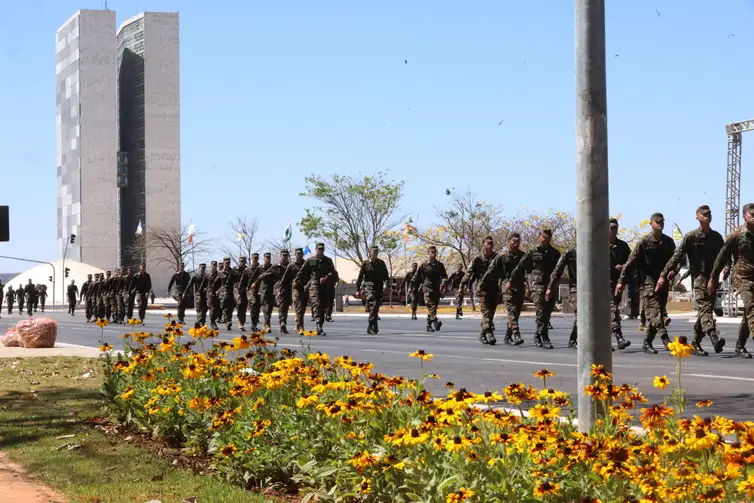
(29, 295)
(112, 296)
(258, 287)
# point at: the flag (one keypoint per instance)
(138, 228)
(677, 234)
(191, 231)
(288, 233)
(307, 250)
(240, 236)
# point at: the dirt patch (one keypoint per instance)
(17, 487)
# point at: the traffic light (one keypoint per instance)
(73, 238)
(67, 270)
(50, 279)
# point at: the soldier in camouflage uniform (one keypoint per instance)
(331, 297)
(701, 246)
(567, 260)
(539, 263)
(108, 294)
(371, 285)
(488, 295)
(455, 284)
(619, 253)
(651, 256)
(20, 298)
(267, 280)
(739, 247)
(142, 285)
(497, 275)
(199, 284)
(29, 293)
(227, 301)
(240, 294)
(180, 280)
(284, 292)
(42, 296)
(411, 292)
(10, 297)
(431, 275)
(213, 298)
(318, 272)
(300, 294)
(253, 272)
(127, 295)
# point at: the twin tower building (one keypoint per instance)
(118, 138)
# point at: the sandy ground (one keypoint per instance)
(17, 487)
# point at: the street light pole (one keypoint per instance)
(37, 262)
(592, 214)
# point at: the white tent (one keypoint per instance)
(40, 274)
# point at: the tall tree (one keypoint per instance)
(562, 225)
(353, 213)
(464, 224)
(176, 245)
(241, 240)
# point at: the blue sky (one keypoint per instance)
(274, 91)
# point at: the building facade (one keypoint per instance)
(118, 139)
(86, 137)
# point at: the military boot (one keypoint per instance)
(696, 345)
(622, 342)
(375, 326)
(229, 326)
(241, 328)
(459, 312)
(429, 326)
(538, 340)
(741, 351)
(320, 330)
(573, 339)
(648, 347)
(665, 341)
(508, 339)
(517, 339)
(546, 341)
(483, 337)
(283, 329)
(438, 325)
(491, 338)
(370, 330)
(328, 318)
(299, 329)
(717, 342)
(666, 321)
(267, 329)
(413, 316)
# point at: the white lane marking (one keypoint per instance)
(313, 346)
(711, 376)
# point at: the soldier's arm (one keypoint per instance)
(557, 273)
(522, 266)
(304, 274)
(492, 274)
(360, 278)
(676, 258)
(632, 262)
(384, 275)
(725, 255)
(417, 278)
(172, 282)
(149, 283)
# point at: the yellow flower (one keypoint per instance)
(544, 374)
(680, 348)
(462, 495)
(102, 322)
(546, 489)
(704, 403)
(228, 450)
(422, 355)
(747, 486)
(105, 347)
(307, 400)
(128, 393)
(134, 321)
(661, 382)
(544, 412)
(309, 333)
(366, 486)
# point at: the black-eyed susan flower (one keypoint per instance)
(680, 348)
(422, 355)
(704, 403)
(661, 382)
(105, 347)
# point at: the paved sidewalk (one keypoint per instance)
(60, 349)
(17, 487)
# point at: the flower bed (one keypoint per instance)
(335, 430)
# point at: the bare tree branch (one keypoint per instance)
(241, 238)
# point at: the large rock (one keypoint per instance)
(37, 332)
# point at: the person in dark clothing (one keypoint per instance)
(180, 280)
(142, 285)
(72, 294)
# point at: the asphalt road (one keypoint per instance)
(460, 358)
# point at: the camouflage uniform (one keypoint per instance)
(72, 294)
(498, 273)
(240, 295)
(372, 277)
(701, 248)
(740, 248)
(331, 297)
(651, 256)
(300, 294)
(127, 292)
(42, 296)
(411, 292)
(539, 263)
(199, 284)
(252, 291)
(319, 272)
(142, 285)
(270, 290)
(2, 291)
(455, 284)
(567, 260)
(108, 295)
(213, 297)
(619, 253)
(10, 297)
(20, 299)
(431, 275)
(225, 293)
(488, 296)
(85, 296)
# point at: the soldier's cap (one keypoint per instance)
(214, 262)
(202, 265)
(254, 255)
(374, 247)
(268, 254)
(321, 245)
(613, 222)
(299, 250)
(226, 259)
(657, 217)
(285, 252)
(242, 259)
(546, 232)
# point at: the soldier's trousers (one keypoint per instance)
(213, 303)
(228, 303)
(488, 306)
(572, 297)
(268, 303)
(654, 306)
(285, 305)
(10, 307)
(1, 302)
(746, 290)
(514, 301)
(374, 301)
(459, 302)
(330, 302)
(21, 306)
(705, 317)
(130, 300)
(89, 309)
(543, 309)
(42, 301)
(413, 300)
(255, 304)
(431, 300)
(29, 305)
(200, 303)
(615, 319)
(142, 305)
(242, 304)
(300, 300)
(319, 298)
(121, 301)
(71, 306)
(182, 305)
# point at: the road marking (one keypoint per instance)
(711, 376)
(476, 358)
(299, 345)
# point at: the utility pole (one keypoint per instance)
(592, 213)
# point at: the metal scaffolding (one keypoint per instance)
(733, 199)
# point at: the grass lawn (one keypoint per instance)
(43, 399)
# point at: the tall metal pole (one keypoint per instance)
(37, 262)
(65, 252)
(592, 213)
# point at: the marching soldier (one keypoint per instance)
(180, 280)
(2, 290)
(701, 246)
(284, 292)
(370, 284)
(37, 288)
(10, 297)
(300, 294)
(96, 289)
(29, 293)
(319, 272)
(85, 296)
(487, 295)
(109, 294)
(42, 296)
(455, 284)
(142, 285)
(20, 298)
(225, 292)
(567, 260)
(651, 256)
(240, 295)
(267, 281)
(123, 295)
(619, 253)
(199, 283)
(72, 293)
(255, 302)
(213, 297)
(498, 274)
(740, 248)
(431, 275)
(331, 297)
(411, 292)
(539, 263)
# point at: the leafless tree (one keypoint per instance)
(275, 246)
(241, 238)
(175, 245)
